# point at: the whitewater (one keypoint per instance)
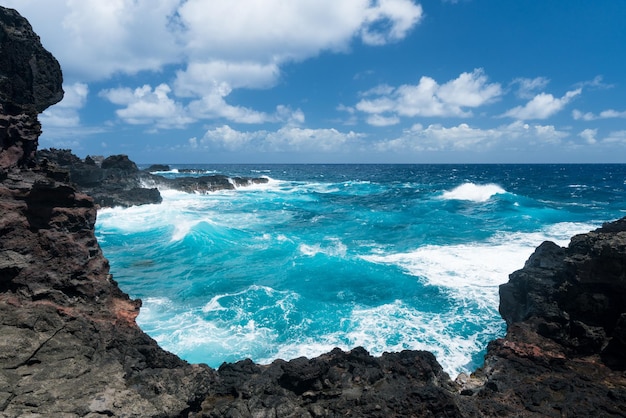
(388, 257)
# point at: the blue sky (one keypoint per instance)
(337, 81)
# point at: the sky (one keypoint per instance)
(337, 81)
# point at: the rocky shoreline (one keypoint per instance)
(70, 345)
(117, 181)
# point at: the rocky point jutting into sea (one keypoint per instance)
(70, 345)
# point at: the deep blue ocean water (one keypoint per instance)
(387, 257)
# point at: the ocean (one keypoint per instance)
(388, 257)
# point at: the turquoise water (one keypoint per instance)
(388, 257)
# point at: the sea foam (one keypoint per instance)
(473, 192)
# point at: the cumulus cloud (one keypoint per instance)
(400, 16)
(428, 98)
(542, 106)
(276, 30)
(615, 137)
(286, 139)
(95, 39)
(463, 137)
(214, 46)
(589, 135)
(145, 105)
(100, 38)
(200, 78)
(379, 120)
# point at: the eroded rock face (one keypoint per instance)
(564, 352)
(69, 342)
(30, 82)
(575, 296)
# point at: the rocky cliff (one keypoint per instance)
(70, 346)
(30, 82)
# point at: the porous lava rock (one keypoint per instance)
(30, 82)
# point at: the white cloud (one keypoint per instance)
(589, 135)
(95, 39)
(214, 46)
(147, 106)
(464, 137)
(400, 16)
(527, 87)
(289, 116)
(542, 106)
(276, 30)
(314, 140)
(615, 137)
(379, 120)
(597, 84)
(213, 106)
(605, 114)
(469, 90)
(227, 138)
(200, 78)
(66, 112)
(428, 98)
(286, 139)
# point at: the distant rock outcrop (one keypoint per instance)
(30, 82)
(116, 180)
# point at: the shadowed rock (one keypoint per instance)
(30, 82)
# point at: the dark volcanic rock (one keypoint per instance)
(158, 167)
(30, 82)
(116, 180)
(112, 181)
(70, 344)
(410, 383)
(575, 296)
(564, 351)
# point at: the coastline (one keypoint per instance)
(71, 346)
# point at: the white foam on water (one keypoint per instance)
(396, 327)
(224, 328)
(332, 247)
(473, 192)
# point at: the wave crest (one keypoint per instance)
(473, 192)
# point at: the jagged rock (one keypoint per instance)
(119, 162)
(575, 295)
(64, 321)
(410, 383)
(116, 180)
(30, 81)
(564, 352)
